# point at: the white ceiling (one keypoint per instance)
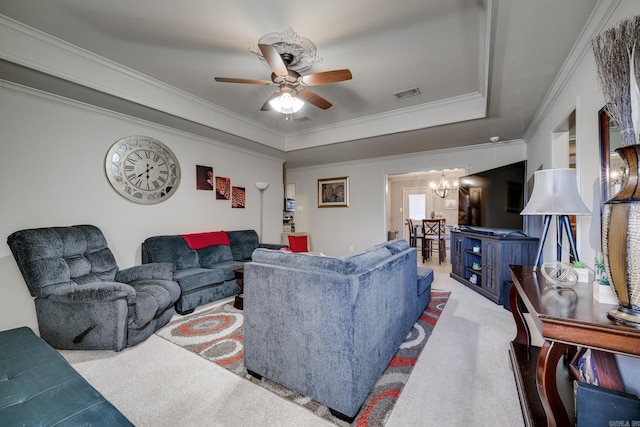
(483, 66)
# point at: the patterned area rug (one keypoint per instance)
(217, 335)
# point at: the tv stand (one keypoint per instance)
(480, 260)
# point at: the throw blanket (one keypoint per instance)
(202, 240)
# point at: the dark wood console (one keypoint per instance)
(564, 324)
(487, 258)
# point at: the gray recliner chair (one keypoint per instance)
(83, 300)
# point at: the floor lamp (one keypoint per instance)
(261, 186)
(555, 192)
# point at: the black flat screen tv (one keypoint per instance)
(493, 198)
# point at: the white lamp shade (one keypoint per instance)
(286, 103)
(262, 185)
(555, 192)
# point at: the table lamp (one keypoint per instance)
(555, 192)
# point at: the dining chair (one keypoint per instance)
(415, 233)
(446, 236)
(433, 239)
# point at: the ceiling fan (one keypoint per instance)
(292, 93)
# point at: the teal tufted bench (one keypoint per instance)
(38, 387)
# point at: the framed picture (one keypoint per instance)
(223, 188)
(333, 192)
(237, 197)
(204, 178)
(450, 204)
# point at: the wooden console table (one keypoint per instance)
(563, 327)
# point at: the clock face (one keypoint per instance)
(142, 169)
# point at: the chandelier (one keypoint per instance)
(443, 189)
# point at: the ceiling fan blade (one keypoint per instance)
(312, 98)
(274, 60)
(267, 106)
(249, 81)
(326, 77)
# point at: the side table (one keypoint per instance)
(581, 322)
(239, 300)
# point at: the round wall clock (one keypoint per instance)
(142, 169)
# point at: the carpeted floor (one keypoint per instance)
(217, 335)
(462, 377)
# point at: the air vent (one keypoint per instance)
(407, 93)
(301, 119)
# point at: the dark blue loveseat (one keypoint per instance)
(205, 262)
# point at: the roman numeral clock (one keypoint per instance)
(142, 169)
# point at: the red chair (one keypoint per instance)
(298, 243)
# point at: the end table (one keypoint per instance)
(239, 301)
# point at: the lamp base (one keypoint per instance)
(625, 316)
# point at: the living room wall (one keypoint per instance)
(52, 174)
(338, 231)
(579, 90)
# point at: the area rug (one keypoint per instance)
(216, 334)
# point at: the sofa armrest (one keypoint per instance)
(275, 246)
(92, 292)
(154, 270)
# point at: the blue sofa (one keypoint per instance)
(38, 387)
(327, 327)
(205, 262)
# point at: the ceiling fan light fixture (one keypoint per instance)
(286, 103)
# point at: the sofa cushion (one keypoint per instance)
(194, 278)
(171, 249)
(54, 256)
(367, 259)
(212, 255)
(425, 278)
(397, 245)
(227, 267)
(243, 243)
(202, 240)
(303, 261)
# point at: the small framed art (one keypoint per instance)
(204, 177)
(223, 188)
(237, 197)
(333, 192)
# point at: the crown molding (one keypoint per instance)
(594, 26)
(450, 110)
(7, 86)
(42, 52)
(37, 50)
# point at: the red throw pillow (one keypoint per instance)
(202, 240)
(298, 243)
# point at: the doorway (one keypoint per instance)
(563, 147)
(410, 195)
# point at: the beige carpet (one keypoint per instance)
(462, 378)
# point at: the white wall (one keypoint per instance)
(338, 231)
(582, 92)
(52, 156)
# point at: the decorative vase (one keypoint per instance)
(621, 241)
